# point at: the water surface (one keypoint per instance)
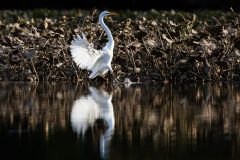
(82, 121)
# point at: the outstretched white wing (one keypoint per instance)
(83, 53)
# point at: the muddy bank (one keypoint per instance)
(150, 46)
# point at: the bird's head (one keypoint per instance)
(107, 13)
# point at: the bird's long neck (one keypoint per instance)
(108, 32)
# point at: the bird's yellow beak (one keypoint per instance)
(113, 14)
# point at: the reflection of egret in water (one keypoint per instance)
(87, 109)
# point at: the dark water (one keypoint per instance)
(65, 121)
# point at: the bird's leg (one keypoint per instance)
(114, 76)
(93, 75)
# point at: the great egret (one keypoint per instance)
(87, 109)
(86, 57)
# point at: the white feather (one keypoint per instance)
(83, 53)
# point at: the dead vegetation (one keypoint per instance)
(150, 46)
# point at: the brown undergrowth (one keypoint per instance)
(150, 46)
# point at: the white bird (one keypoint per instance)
(87, 109)
(86, 57)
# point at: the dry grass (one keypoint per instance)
(150, 46)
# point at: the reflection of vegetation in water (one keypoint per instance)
(184, 105)
(169, 115)
(180, 116)
(48, 105)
